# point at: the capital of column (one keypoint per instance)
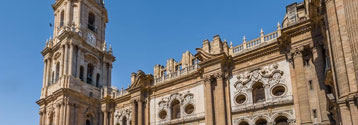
(297, 53)
(218, 75)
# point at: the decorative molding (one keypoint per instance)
(269, 117)
(270, 73)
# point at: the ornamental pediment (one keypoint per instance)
(270, 75)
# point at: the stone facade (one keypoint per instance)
(304, 73)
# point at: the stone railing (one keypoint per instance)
(183, 119)
(113, 92)
(269, 102)
(176, 74)
(256, 42)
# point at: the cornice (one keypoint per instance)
(124, 98)
(63, 92)
(297, 29)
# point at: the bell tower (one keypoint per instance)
(77, 64)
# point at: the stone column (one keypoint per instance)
(147, 111)
(302, 91)
(62, 114)
(104, 74)
(66, 59)
(49, 66)
(68, 113)
(105, 119)
(57, 114)
(209, 120)
(44, 117)
(140, 112)
(109, 81)
(41, 117)
(44, 73)
(111, 117)
(220, 105)
(69, 12)
(70, 64)
(134, 113)
(228, 101)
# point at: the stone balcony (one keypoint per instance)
(275, 101)
(262, 40)
(185, 119)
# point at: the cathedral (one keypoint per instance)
(303, 73)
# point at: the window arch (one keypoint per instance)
(91, 21)
(90, 68)
(258, 92)
(62, 18)
(175, 109)
(81, 72)
(261, 122)
(281, 120)
(97, 79)
(124, 120)
(244, 123)
(88, 122)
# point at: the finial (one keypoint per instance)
(104, 46)
(244, 38)
(230, 44)
(262, 32)
(110, 49)
(278, 25)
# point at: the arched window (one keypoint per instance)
(62, 18)
(89, 73)
(258, 92)
(97, 80)
(81, 72)
(124, 120)
(281, 120)
(261, 122)
(57, 71)
(175, 109)
(91, 21)
(244, 123)
(88, 122)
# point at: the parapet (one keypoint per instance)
(172, 66)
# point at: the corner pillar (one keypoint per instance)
(209, 119)
(220, 105)
(134, 112)
(140, 112)
(302, 91)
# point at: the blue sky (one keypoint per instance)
(142, 32)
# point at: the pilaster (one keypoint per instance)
(302, 88)
(220, 105)
(209, 119)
